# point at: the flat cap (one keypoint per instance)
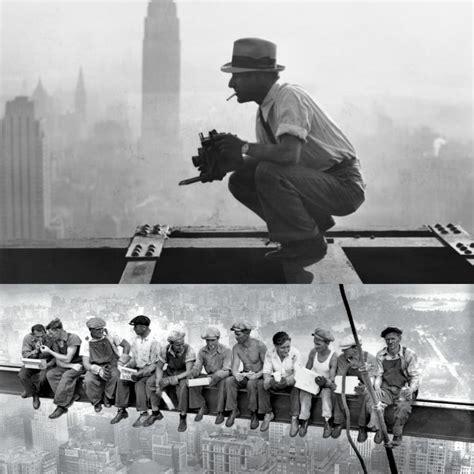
(348, 341)
(210, 332)
(143, 320)
(95, 323)
(323, 334)
(175, 335)
(241, 326)
(389, 330)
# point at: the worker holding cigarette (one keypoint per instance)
(301, 171)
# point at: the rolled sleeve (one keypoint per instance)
(84, 350)
(190, 355)
(267, 364)
(413, 369)
(227, 364)
(198, 364)
(293, 116)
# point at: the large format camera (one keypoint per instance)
(207, 160)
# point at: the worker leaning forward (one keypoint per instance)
(251, 353)
(216, 359)
(144, 353)
(179, 358)
(100, 357)
(63, 378)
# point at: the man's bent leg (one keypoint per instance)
(141, 394)
(294, 401)
(94, 387)
(306, 399)
(264, 405)
(232, 387)
(30, 379)
(182, 394)
(122, 393)
(111, 384)
(196, 400)
(326, 400)
(66, 387)
(220, 395)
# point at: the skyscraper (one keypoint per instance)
(23, 205)
(161, 84)
(80, 99)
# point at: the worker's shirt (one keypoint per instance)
(212, 361)
(409, 364)
(144, 351)
(288, 366)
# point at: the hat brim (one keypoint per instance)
(234, 70)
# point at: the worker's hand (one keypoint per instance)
(321, 381)
(123, 359)
(359, 389)
(267, 383)
(239, 377)
(105, 373)
(45, 349)
(76, 367)
(173, 380)
(331, 385)
(252, 376)
(230, 153)
(280, 385)
(378, 392)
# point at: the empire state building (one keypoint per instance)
(161, 84)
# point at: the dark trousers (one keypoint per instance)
(196, 400)
(32, 379)
(63, 383)
(96, 387)
(122, 393)
(231, 389)
(295, 201)
(264, 398)
(178, 393)
(339, 415)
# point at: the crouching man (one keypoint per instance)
(396, 383)
(33, 379)
(279, 370)
(100, 356)
(216, 359)
(180, 358)
(63, 378)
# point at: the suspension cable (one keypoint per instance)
(368, 384)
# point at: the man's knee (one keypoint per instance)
(252, 385)
(267, 172)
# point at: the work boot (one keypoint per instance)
(303, 428)
(24, 394)
(253, 421)
(183, 426)
(294, 426)
(141, 419)
(231, 419)
(200, 414)
(36, 401)
(121, 415)
(266, 421)
(58, 412)
(362, 436)
(98, 407)
(155, 416)
(327, 430)
(336, 431)
(397, 440)
(219, 418)
(378, 438)
(306, 251)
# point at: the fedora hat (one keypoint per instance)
(253, 54)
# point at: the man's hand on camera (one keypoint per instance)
(230, 150)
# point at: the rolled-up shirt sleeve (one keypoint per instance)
(28, 349)
(293, 116)
(227, 364)
(413, 369)
(267, 364)
(190, 355)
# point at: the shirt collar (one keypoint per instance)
(269, 100)
(289, 356)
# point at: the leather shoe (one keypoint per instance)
(36, 401)
(155, 416)
(336, 431)
(107, 403)
(182, 423)
(231, 419)
(327, 430)
(24, 395)
(121, 415)
(294, 427)
(362, 436)
(140, 420)
(254, 421)
(378, 438)
(219, 419)
(397, 440)
(98, 407)
(266, 421)
(306, 252)
(58, 412)
(200, 414)
(303, 428)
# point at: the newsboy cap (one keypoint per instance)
(348, 341)
(95, 323)
(389, 330)
(210, 332)
(143, 320)
(241, 326)
(175, 335)
(323, 334)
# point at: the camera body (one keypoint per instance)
(206, 161)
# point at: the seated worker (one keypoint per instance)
(100, 356)
(63, 378)
(279, 369)
(348, 363)
(322, 361)
(33, 379)
(180, 358)
(396, 383)
(251, 353)
(216, 359)
(302, 171)
(144, 355)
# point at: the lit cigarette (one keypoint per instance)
(230, 97)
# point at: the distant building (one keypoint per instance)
(170, 454)
(24, 207)
(80, 98)
(22, 461)
(48, 434)
(12, 433)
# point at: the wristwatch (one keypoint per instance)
(245, 148)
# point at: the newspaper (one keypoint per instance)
(304, 380)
